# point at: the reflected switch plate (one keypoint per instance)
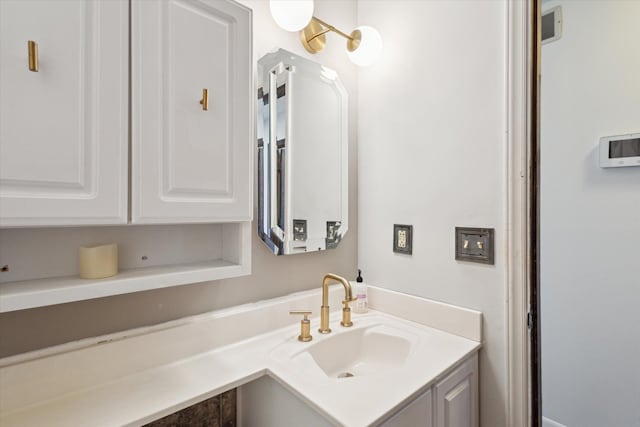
(475, 245)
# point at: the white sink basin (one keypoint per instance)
(373, 346)
(361, 351)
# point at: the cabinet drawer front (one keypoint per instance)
(64, 128)
(191, 164)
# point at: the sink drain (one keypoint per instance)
(345, 375)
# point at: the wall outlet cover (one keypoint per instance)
(403, 239)
(475, 245)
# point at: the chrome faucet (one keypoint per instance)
(324, 309)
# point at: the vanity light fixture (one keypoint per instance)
(364, 44)
(291, 15)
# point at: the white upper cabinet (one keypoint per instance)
(191, 162)
(63, 128)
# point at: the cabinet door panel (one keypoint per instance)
(191, 165)
(63, 129)
(418, 413)
(198, 151)
(457, 397)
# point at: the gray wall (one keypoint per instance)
(271, 276)
(432, 151)
(590, 218)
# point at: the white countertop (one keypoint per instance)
(140, 377)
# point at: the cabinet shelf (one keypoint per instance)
(58, 290)
(42, 263)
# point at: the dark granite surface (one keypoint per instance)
(228, 409)
(217, 411)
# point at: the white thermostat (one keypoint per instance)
(620, 150)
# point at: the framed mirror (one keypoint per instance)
(302, 144)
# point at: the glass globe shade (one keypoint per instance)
(291, 15)
(369, 49)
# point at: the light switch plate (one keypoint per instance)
(300, 229)
(475, 245)
(403, 239)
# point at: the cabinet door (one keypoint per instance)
(191, 164)
(418, 413)
(457, 397)
(64, 128)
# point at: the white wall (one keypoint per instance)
(271, 276)
(590, 218)
(431, 135)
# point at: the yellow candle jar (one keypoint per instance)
(98, 261)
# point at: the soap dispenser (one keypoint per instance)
(360, 305)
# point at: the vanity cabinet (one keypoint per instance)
(451, 402)
(64, 124)
(417, 413)
(456, 397)
(66, 132)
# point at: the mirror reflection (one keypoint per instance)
(302, 141)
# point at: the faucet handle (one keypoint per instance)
(304, 313)
(346, 313)
(349, 301)
(305, 325)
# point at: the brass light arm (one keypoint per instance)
(321, 33)
(313, 36)
(329, 27)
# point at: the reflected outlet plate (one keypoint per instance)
(403, 239)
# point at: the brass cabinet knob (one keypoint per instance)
(305, 325)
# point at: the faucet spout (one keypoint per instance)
(324, 309)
